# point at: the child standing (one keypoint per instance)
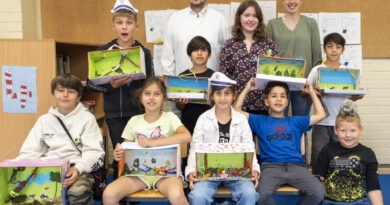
(323, 132)
(119, 95)
(221, 124)
(49, 140)
(280, 143)
(199, 51)
(152, 96)
(348, 168)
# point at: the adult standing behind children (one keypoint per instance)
(280, 143)
(238, 58)
(348, 168)
(296, 36)
(323, 132)
(183, 25)
(49, 140)
(119, 95)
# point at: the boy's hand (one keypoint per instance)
(119, 152)
(308, 88)
(250, 86)
(192, 178)
(71, 176)
(254, 177)
(118, 82)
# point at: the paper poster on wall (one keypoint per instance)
(19, 89)
(155, 23)
(347, 24)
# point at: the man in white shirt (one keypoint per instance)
(197, 19)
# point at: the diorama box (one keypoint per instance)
(186, 87)
(340, 81)
(288, 70)
(154, 161)
(224, 161)
(103, 65)
(33, 181)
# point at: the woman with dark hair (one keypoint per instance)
(238, 57)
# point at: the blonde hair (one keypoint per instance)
(126, 13)
(348, 113)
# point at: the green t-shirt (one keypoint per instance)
(303, 41)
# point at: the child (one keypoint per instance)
(152, 96)
(199, 51)
(221, 124)
(323, 133)
(280, 143)
(348, 168)
(119, 95)
(48, 139)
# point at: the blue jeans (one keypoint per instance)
(273, 175)
(243, 192)
(364, 201)
(300, 106)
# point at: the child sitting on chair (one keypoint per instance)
(221, 124)
(280, 143)
(348, 168)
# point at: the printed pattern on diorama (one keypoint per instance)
(154, 161)
(103, 65)
(33, 181)
(194, 88)
(341, 81)
(288, 70)
(224, 161)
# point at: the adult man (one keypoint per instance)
(183, 25)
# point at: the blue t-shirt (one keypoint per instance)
(280, 138)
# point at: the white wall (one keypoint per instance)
(11, 19)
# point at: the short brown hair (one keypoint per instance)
(67, 80)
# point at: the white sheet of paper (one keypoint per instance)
(155, 22)
(347, 24)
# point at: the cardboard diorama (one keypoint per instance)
(33, 181)
(154, 161)
(103, 65)
(187, 87)
(288, 70)
(341, 81)
(224, 161)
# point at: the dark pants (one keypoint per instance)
(116, 127)
(321, 136)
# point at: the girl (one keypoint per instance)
(152, 97)
(348, 168)
(296, 36)
(221, 124)
(238, 58)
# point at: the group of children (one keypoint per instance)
(346, 169)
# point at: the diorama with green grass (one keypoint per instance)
(281, 67)
(188, 87)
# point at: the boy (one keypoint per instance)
(280, 141)
(323, 133)
(120, 95)
(48, 139)
(348, 168)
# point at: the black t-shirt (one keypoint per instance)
(224, 132)
(192, 111)
(349, 172)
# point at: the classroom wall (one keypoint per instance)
(374, 108)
